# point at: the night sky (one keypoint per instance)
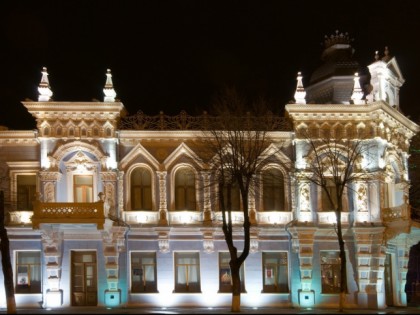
(175, 55)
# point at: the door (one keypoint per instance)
(84, 278)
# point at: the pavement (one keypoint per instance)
(185, 310)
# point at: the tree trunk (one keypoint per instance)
(343, 262)
(5, 260)
(236, 286)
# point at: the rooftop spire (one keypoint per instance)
(44, 90)
(109, 91)
(357, 91)
(300, 91)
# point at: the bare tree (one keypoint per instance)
(414, 165)
(5, 260)
(236, 139)
(337, 164)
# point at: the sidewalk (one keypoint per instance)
(185, 310)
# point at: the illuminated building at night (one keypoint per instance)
(124, 213)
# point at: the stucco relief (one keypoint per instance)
(49, 192)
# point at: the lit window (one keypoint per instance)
(141, 189)
(273, 190)
(225, 277)
(185, 189)
(26, 188)
(143, 272)
(187, 272)
(275, 272)
(28, 272)
(330, 271)
(83, 188)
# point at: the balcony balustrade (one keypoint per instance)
(68, 213)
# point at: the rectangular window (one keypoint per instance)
(143, 272)
(275, 272)
(330, 271)
(26, 188)
(83, 188)
(225, 276)
(28, 272)
(187, 272)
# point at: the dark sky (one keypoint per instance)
(174, 55)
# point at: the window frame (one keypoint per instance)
(277, 190)
(225, 274)
(186, 203)
(25, 270)
(275, 272)
(330, 270)
(186, 288)
(142, 189)
(140, 268)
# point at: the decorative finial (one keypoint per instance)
(300, 91)
(109, 91)
(338, 38)
(357, 95)
(386, 56)
(44, 90)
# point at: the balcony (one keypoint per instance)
(400, 213)
(68, 213)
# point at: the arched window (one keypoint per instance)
(235, 197)
(185, 189)
(141, 189)
(332, 190)
(273, 190)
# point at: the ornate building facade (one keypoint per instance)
(124, 213)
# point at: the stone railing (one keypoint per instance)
(68, 212)
(399, 213)
(184, 121)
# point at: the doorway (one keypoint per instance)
(84, 290)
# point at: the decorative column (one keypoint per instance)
(109, 181)
(361, 201)
(113, 242)
(304, 199)
(303, 243)
(251, 204)
(49, 181)
(120, 178)
(51, 244)
(206, 199)
(370, 257)
(163, 206)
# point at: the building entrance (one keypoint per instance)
(84, 280)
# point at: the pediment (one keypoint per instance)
(392, 65)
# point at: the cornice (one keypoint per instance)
(305, 112)
(183, 134)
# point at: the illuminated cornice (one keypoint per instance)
(371, 111)
(66, 110)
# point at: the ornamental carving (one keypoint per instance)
(80, 162)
